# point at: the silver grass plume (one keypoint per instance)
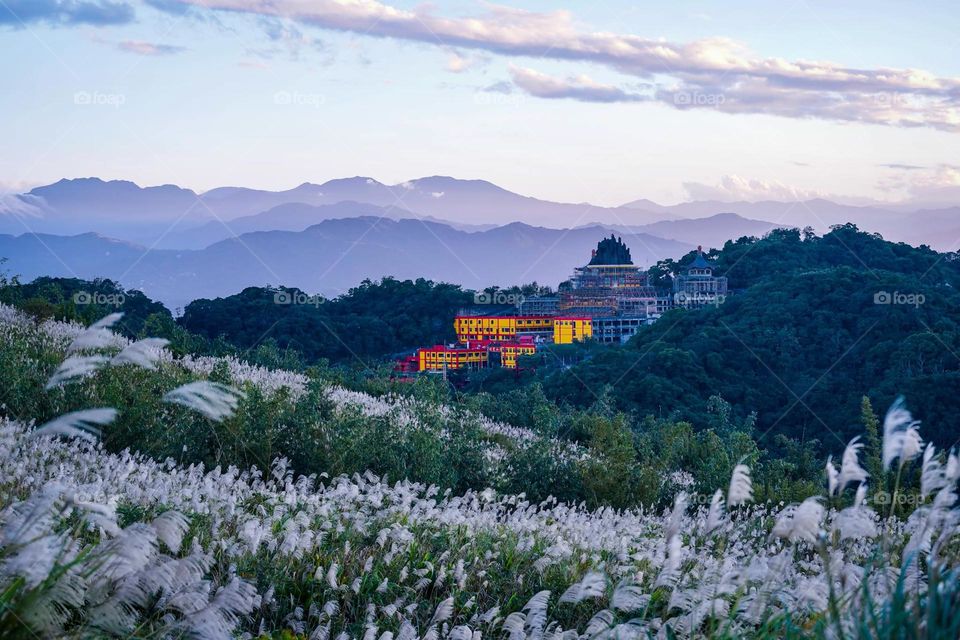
(77, 424)
(212, 399)
(901, 438)
(741, 488)
(73, 368)
(850, 469)
(593, 585)
(142, 353)
(97, 335)
(715, 516)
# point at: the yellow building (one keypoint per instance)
(570, 329)
(440, 358)
(510, 352)
(500, 328)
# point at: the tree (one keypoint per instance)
(873, 458)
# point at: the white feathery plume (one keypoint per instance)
(107, 321)
(214, 400)
(741, 488)
(75, 367)
(952, 470)
(833, 476)
(676, 516)
(856, 522)
(407, 631)
(629, 597)
(850, 469)
(932, 477)
(171, 526)
(715, 516)
(332, 576)
(443, 612)
(861, 496)
(77, 424)
(901, 439)
(142, 353)
(800, 522)
(593, 585)
(97, 335)
(672, 562)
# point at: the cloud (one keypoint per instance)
(457, 63)
(580, 87)
(734, 188)
(934, 185)
(19, 13)
(902, 167)
(149, 48)
(715, 73)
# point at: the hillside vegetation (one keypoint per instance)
(108, 542)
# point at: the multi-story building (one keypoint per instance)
(570, 329)
(697, 286)
(443, 358)
(617, 329)
(501, 328)
(609, 285)
(539, 306)
(510, 352)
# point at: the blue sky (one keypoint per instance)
(789, 99)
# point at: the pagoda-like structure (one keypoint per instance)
(609, 285)
(697, 286)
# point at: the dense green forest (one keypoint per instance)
(371, 321)
(815, 323)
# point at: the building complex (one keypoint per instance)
(608, 300)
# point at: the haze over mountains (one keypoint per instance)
(327, 258)
(177, 245)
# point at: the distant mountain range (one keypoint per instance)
(934, 227)
(177, 244)
(169, 216)
(327, 258)
(164, 216)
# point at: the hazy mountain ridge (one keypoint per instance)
(157, 215)
(172, 217)
(328, 258)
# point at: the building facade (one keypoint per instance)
(500, 328)
(697, 286)
(570, 329)
(510, 352)
(443, 358)
(617, 329)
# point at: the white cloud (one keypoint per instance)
(149, 48)
(576, 87)
(940, 184)
(734, 188)
(714, 73)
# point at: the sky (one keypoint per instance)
(605, 101)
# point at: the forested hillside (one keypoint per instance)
(813, 324)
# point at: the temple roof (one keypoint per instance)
(699, 261)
